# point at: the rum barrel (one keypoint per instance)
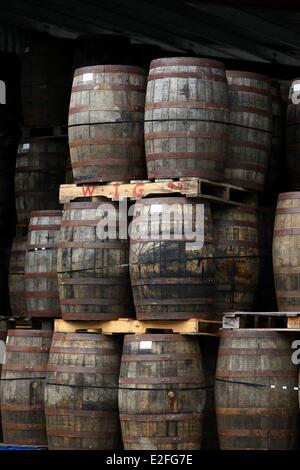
(81, 392)
(250, 129)
(293, 136)
(185, 113)
(257, 405)
(41, 264)
(161, 395)
(22, 387)
(172, 277)
(93, 274)
(237, 258)
(286, 251)
(16, 279)
(106, 123)
(3, 334)
(40, 169)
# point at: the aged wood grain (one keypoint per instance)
(16, 278)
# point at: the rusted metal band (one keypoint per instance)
(121, 141)
(40, 275)
(252, 373)
(109, 162)
(90, 107)
(42, 294)
(174, 301)
(84, 205)
(23, 368)
(253, 75)
(185, 104)
(20, 348)
(40, 246)
(13, 407)
(256, 411)
(82, 369)
(23, 426)
(288, 294)
(286, 270)
(92, 245)
(153, 75)
(286, 231)
(77, 281)
(49, 213)
(185, 134)
(291, 195)
(110, 69)
(238, 433)
(30, 333)
(79, 337)
(250, 110)
(168, 280)
(160, 357)
(182, 61)
(78, 350)
(288, 210)
(107, 86)
(43, 227)
(241, 165)
(80, 413)
(249, 89)
(89, 301)
(162, 417)
(253, 351)
(160, 380)
(185, 156)
(156, 440)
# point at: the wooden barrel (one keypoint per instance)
(81, 393)
(41, 265)
(284, 90)
(16, 279)
(257, 405)
(293, 136)
(22, 387)
(3, 334)
(106, 123)
(265, 300)
(237, 258)
(46, 82)
(161, 395)
(171, 279)
(286, 251)
(5, 251)
(8, 148)
(185, 113)
(40, 169)
(250, 129)
(209, 348)
(93, 274)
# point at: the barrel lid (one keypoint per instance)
(196, 61)
(109, 68)
(253, 75)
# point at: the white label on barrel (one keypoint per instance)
(2, 92)
(157, 208)
(26, 146)
(145, 344)
(296, 87)
(87, 76)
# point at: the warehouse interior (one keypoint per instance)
(149, 344)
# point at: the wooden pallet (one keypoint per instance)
(276, 321)
(192, 326)
(46, 132)
(220, 193)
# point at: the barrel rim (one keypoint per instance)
(245, 74)
(196, 61)
(110, 68)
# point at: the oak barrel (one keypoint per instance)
(250, 129)
(172, 278)
(46, 82)
(93, 273)
(257, 405)
(237, 258)
(161, 395)
(106, 123)
(293, 136)
(81, 392)
(22, 387)
(41, 264)
(286, 251)
(16, 275)
(40, 169)
(185, 113)
(3, 334)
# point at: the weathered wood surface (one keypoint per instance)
(237, 258)
(160, 398)
(40, 169)
(3, 334)
(16, 278)
(41, 264)
(22, 387)
(250, 129)
(172, 279)
(263, 415)
(81, 392)
(93, 273)
(293, 138)
(286, 251)
(106, 123)
(185, 113)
